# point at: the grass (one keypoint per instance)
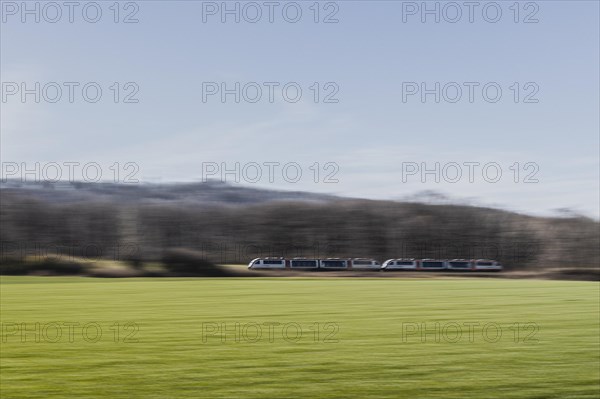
(366, 351)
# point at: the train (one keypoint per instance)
(401, 264)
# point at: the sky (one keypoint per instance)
(495, 104)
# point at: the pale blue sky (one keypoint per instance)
(369, 133)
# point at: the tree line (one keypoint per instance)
(142, 231)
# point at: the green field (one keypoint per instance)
(369, 342)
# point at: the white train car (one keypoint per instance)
(432, 264)
(304, 263)
(267, 263)
(364, 264)
(487, 265)
(334, 263)
(372, 264)
(400, 264)
(460, 264)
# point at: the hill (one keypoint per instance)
(232, 224)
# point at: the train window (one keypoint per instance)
(334, 263)
(272, 262)
(362, 262)
(485, 264)
(460, 264)
(432, 264)
(404, 263)
(304, 263)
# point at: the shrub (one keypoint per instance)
(185, 262)
(57, 266)
(14, 267)
(48, 265)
